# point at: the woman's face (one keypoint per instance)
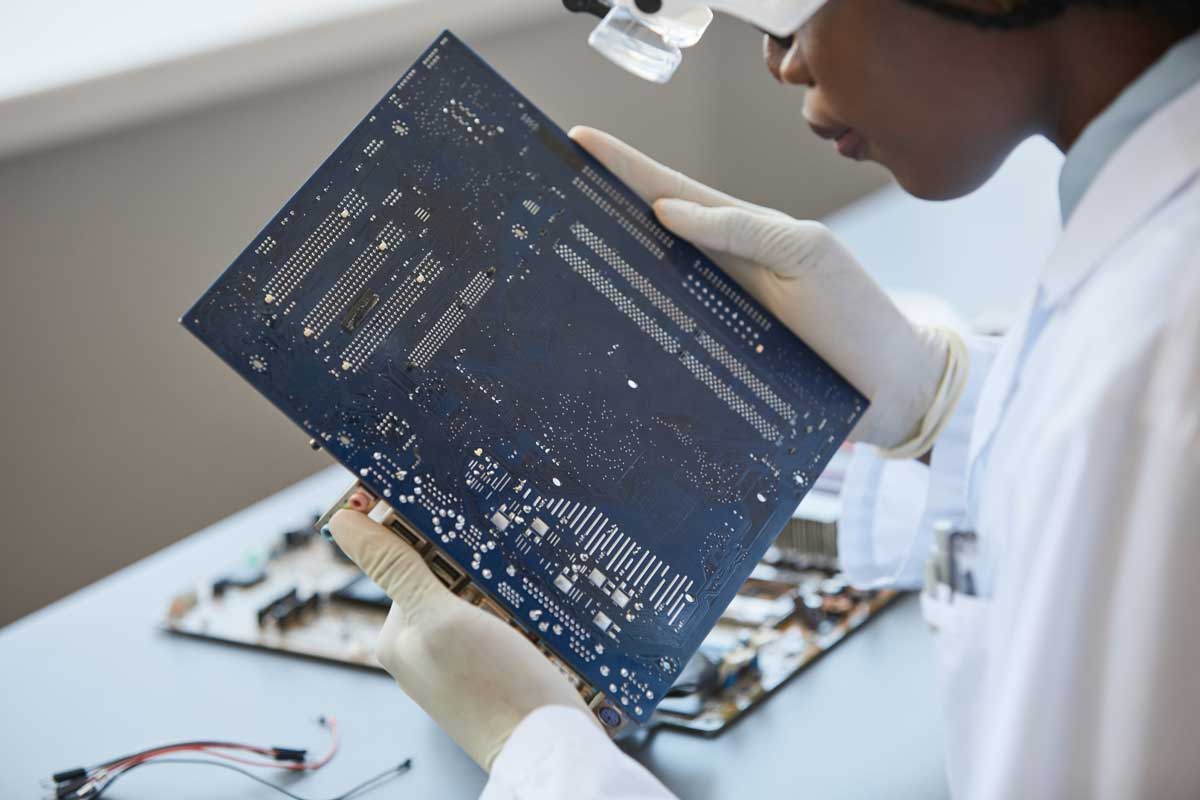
(938, 102)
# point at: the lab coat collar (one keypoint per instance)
(1155, 162)
(1156, 87)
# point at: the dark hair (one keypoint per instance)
(1027, 13)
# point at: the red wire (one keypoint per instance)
(306, 766)
(334, 741)
(160, 751)
(214, 750)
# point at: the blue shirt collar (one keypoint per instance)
(1165, 80)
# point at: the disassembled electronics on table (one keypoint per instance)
(302, 596)
(789, 613)
(584, 425)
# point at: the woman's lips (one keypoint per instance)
(851, 145)
(850, 142)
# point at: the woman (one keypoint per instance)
(1071, 447)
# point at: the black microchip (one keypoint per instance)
(363, 305)
(242, 578)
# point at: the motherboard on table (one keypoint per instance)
(586, 427)
(299, 595)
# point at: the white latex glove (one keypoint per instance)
(811, 283)
(476, 676)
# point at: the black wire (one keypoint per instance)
(366, 785)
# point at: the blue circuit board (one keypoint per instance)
(488, 328)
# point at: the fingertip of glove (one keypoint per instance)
(344, 517)
(586, 136)
(672, 211)
(375, 549)
(349, 524)
(604, 147)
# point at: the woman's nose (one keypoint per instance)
(785, 60)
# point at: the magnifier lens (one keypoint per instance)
(629, 44)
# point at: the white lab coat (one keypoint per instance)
(1075, 454)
